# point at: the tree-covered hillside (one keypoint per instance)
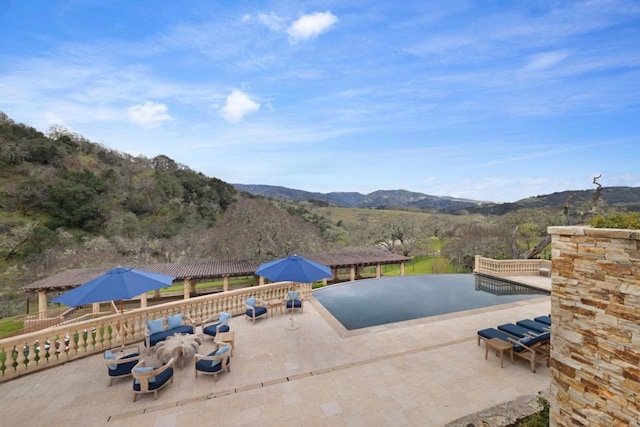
(67, 202)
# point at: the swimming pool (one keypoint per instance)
(372, 302)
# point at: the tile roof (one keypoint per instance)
(217, 268)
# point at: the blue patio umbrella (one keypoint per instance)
(296, 269)
(117, 284)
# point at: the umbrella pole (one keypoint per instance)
(292, 327)
(122, 322)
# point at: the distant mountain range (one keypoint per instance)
(623, 197)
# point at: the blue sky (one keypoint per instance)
(488, 100)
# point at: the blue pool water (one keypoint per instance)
(372, 302)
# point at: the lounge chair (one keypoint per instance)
(543, 319)
(221, 324)
(517, 331)
(215, 362)
(255, 308)
(120, 361)
(534, 326)
(147, 379)
(533, 349)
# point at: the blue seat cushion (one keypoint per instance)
(207, 366)
(211, 329)
(161, 379)
(296, 303)
(543, 319)
(515, 330)
(259, 311)
(123, 368)
(533, 325)
(161, 336)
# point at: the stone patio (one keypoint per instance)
(425, 372)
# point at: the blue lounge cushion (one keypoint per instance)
(529, 341)
(251, 302)
(543, 319)
(494, 333)
(224, 316)
(174, 321)
(143, 370)
(155, 326)
(515, 330)
(533, 325)
(160, 380)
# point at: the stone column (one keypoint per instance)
(225, 283)
(143, 300)
(595, 332)
(186, 288)
(402, 268)
(378, 271)
(42, 304)
(352, 273)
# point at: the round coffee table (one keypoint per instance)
(180, 346)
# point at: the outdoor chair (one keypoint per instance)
(147, 379)
(120, 361)
(256, 308)
(215, 362)
(294, 300)
(163, 327)
(221, 324)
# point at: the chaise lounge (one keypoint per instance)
(531, 348)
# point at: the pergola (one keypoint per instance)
(191, 273)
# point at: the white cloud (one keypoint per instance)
(544, 60)
(149, 114)
(310, 26)
(271, 21)
(238, 105)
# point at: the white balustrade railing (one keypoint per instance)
(512, 267)
(23, 354)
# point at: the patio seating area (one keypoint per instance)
(420, 372)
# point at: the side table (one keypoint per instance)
(500, 347)
(273, 304)
(227, 337)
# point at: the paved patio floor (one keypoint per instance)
(424, 372)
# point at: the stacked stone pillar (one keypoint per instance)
(595, 312)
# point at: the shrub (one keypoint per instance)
(622, 220)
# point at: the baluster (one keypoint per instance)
(3, 360)
(14, 357)
(85, 339)
(36, 350)
(47, 347)
(93, 337)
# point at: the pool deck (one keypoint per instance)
(424, 372)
